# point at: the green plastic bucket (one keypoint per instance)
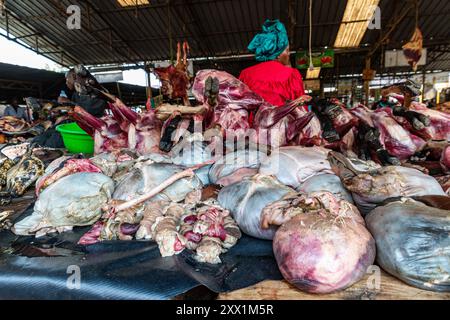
(76, 140)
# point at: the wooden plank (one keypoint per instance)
(390, 289)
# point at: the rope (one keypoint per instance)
(170, 31)
(417, 14)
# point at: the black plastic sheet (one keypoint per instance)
(43, 268)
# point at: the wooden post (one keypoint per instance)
(424, 78)
(149, 81)
(118, 90)
(367, 82)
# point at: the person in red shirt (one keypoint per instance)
(273, 79)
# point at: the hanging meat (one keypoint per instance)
(412, 241)
(175, 79)
(322, 245)
(413, 49)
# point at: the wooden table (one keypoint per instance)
(390, 289)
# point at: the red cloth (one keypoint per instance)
(274, 82)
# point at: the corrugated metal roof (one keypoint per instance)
(48, 84)
(19, 81)
(214, 28)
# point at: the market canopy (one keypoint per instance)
(18, 81)
(116, 32)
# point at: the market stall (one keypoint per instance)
(223, 186)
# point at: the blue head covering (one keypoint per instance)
(269, 44)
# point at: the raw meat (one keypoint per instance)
(413, 243)
(14, 152)
(13, 124)
(370, 187)
(311, 134)
(413, 49)
(202, 227)
(381, 135)
(22, 175)
(233, 103)
(106, 162)
(175, 79)
(125, 129)
(395, 138)
(246, 200)
(326, 182)
(439, 128)
(293, 165)
(444, 181)
(65, 168)
(235, 166)
(322, 245)
(143, 129)
(284, 131)
(75, 200)
(141, 180)
(277, 126)
(193, 151)
(107, 134)
(336, 119)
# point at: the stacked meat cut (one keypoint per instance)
(330, 175)
(124, 129)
